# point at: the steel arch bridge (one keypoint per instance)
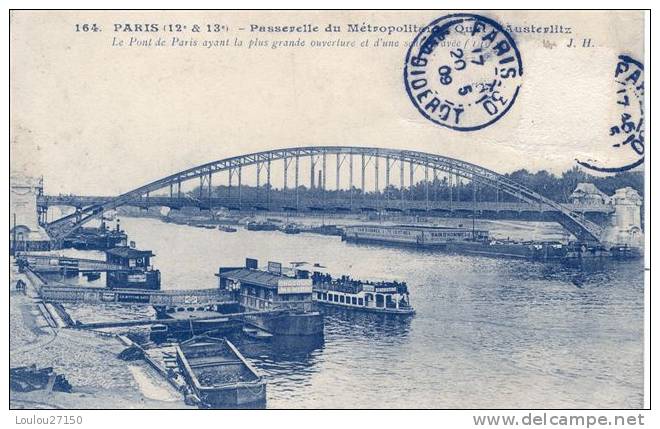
(575, 223)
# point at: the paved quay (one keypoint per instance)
(88, 360)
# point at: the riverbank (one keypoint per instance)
(498, 229)
(88, 360)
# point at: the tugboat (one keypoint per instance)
(137, 272)
(388, 297)
(291, 228)
(101, 238)
(261, 226)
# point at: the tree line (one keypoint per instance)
(557, 188)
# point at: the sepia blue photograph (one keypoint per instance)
(329, 210)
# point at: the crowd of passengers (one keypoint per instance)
(348, 282)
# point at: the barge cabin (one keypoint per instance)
(414, 235)
(259, 290)
(285, 301)
(138, 272)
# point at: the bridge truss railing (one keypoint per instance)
(285, 202)
(574, 222)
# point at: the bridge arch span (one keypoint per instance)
(575, 223)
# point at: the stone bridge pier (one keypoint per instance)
(625, 227)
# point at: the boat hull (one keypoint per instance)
(219, 375)
(378, 310)
(310, 323)
(235, 397)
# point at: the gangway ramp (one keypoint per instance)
(172, 298)
(55, 263)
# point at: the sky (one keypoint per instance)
(100, 120)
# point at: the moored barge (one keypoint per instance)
(291, 228)
(261, 226)
(277, 303)
(414, 235)
(325, 230)
(454, 239)
(184, 325)
(219, 375)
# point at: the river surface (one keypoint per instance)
(488, 333)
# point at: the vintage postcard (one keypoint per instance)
(327, 209)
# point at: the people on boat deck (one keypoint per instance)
(347, 282)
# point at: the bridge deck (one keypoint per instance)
(279, 203)
(50, 263)
(172, 298)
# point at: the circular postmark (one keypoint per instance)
(463, 71)
(625, 142)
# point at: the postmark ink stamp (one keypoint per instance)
(463, 71)
(626, 133)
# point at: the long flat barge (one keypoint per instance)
(470, 241)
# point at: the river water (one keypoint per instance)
(488, 333)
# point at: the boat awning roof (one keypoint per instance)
(129, 252)
(254, 277)
(306, 266)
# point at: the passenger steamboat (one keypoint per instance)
(390, 297)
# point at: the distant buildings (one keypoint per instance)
(25, 233)
(588, 194)
(625, 225)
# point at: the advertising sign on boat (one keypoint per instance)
(286, 286)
